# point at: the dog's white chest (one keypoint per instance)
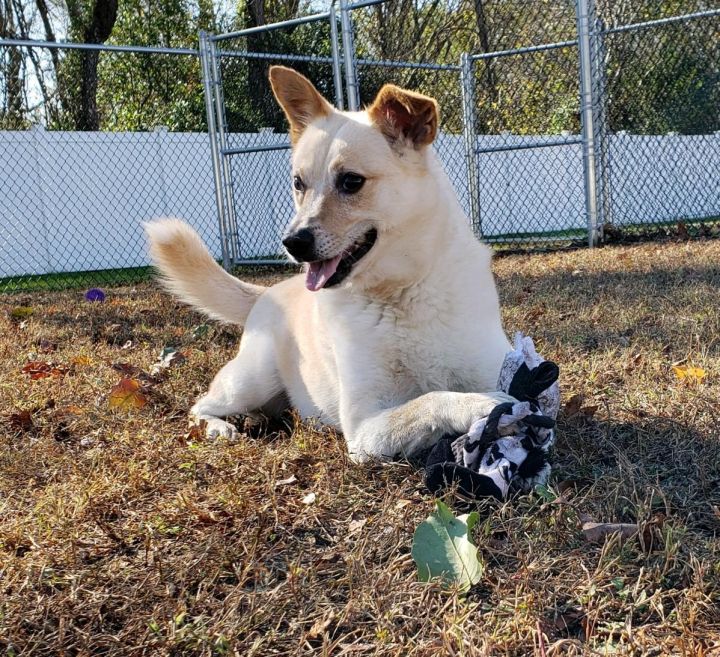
(435, 356)
(409, 353)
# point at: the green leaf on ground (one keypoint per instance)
(443, 547)
(200, 331)
(21, 312)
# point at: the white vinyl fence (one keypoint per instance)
(74, 201)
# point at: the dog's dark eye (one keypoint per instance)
(350, 183)
(298, 184)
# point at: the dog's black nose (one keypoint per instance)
(301, 245)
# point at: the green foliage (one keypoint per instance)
(675, 87)
(138, 91)
(658, 80)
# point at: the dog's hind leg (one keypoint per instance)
(246, 385)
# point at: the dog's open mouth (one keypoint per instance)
(328, 273)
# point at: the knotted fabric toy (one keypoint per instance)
(508, 449)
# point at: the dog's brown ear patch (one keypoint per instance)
(300, 100)
(401, 114)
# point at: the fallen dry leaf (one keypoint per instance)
(566, 485)
(196, 431)
(356, 525)
(320, 625)
(633, 362)
(134, 372)
(284, 482)
(169, 357)
(652, 530)
(21, 421)
(126, 395)
(38, 369)
(589, 411)
(689, 373)
(597, 532)
(573, 405)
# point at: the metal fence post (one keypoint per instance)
(231, 232)
(603, 165)
(587, 117)
(336, 58)
(208, 83)
(353, 89)
(467, 84)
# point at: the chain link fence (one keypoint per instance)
(658, 112)
(72, 202)
(560, 125)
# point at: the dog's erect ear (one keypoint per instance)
(300, 100)
(401, 114)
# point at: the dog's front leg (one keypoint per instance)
(417, 424)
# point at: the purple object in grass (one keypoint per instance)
(95, 294)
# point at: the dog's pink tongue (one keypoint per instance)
(320, 272)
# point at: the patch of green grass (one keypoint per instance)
(694, 227)
(73, 280)
(111, 278)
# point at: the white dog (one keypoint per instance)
(393, 335)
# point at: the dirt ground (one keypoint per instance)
(122, 533)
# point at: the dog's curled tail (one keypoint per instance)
(189, 271)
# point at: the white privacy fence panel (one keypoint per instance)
(76, 201)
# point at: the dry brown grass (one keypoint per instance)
(122, 535)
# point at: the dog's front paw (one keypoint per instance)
(215, 428)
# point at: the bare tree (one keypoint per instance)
(12, 112)
(94, 24)
(488, 79)
(261, 12)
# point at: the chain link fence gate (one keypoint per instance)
(525, 137)
(561, 125)
(252, 169)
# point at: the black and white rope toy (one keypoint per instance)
(507, 450)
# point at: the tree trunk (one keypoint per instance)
(98, 30)
(258, 86)
(13, 109)
(261, 12)
(489, 81)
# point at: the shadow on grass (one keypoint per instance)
(632, 469)
(593, 310)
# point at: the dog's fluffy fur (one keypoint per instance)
(408, 346)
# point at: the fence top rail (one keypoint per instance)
(290, 57)
(321, 59)
(662, 21)
(269, 27)
(69, 45)
(525, 50)
(388, 63)
(364, 3)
